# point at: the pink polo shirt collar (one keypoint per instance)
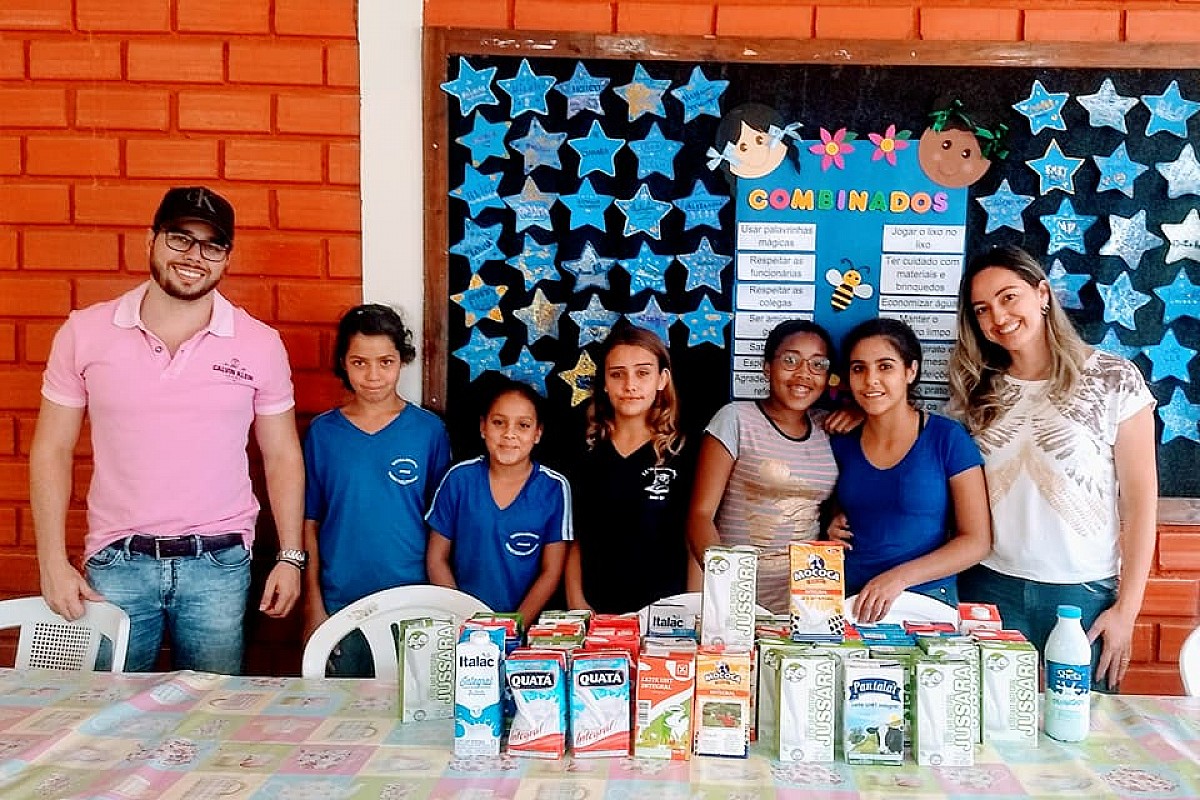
(129, 312)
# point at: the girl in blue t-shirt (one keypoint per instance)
(905, 477)
(500, 523)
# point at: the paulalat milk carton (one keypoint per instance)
(808, 702)
(478, 711)
(728, 600)
(873, 712)
(666, 686)
(947, 712)
(537, 680)
(722, 719)
(1009, 672)
(600, 704)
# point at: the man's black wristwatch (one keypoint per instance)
(297, 558)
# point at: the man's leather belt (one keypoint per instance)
(181, 546)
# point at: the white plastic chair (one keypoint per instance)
(375, 615)
(1189, 664)
(48, 641)
(912, 607)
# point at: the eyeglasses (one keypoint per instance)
(790, 362)
(181, 242)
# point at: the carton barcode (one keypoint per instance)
(643, 713)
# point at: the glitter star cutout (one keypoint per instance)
(1055, 170)
(704, 266)
(655, 153)
(597, 152)
(480, 354)
(478, 190)
(1129, 239)
(1111, 343)
(485, 140)
(528, 369)
(532, 206)
(700, 96)
(1169, 359)
(480, 300)
(527, 91)
(701, 208)
(1169, 112)
(1181, 298)
(590, 269)
(654, 319)
(643, 213)
(540, 317)
(479, 245)
(472, 87)
(1118, 171)
(706, 324)
(580, 378)
(586, 206)
(1066, 285)
(1121, 302)
(536, 262)
(582, 91)
(1043, 109)
(647, 271)
(1184, 238)
(1182, 174)
(539, 147)
(1181, 419)
(1106, 108)
(1067, 228)
(1004, 208)
(643, 94)
(594, 322)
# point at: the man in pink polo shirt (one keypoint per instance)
(171, 376)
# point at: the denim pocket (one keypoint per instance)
(1107, 586)
(236, 556)
(109, 556)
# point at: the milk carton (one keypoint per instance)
(1009, 672)
(665, 689)
(873, 712)
(947, 713)
(426, 648)
(537, 680)
(728, 601)
(722, 723)
(808, 704)
(978, 616)
(600, 693)
(478, 712)
(671, 619)
(959, 648)
(818, 590)
(771, 653)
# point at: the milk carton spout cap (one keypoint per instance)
(1069, 612)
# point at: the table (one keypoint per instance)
(195, 736)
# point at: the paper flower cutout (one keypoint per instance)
(1111, 343)
(1129, 239)
(536, 262)
(704, 266)
(1182, 174)
(480, 354)
(1106, 108)
(480, 300)
(1043, 109)
(1004, 208)
(540, 317)
(655, 153)
(1169, 112)
(539, 147)
(1055, 170)
(1181, 419)
(528, 369)
(532, 206)
(580, 378)
(527, 91)
(1181, 298)
(590, 269)
(594, 322)
(700, 96)
(1184, 238)
(1067, 228)
(486, 139)
(643, 213)
(706, 324)
(643, 94)
(701, 207)
(478, 190)
(582, 91)
(1121, 302)
(479, 245)
(647, 271)
(1118, 171)
(472, 87)
(833, 148)
(1169, 359)
(597, 152)
(1066, 285)
(587, 207)
(654, 319)
(888, 143)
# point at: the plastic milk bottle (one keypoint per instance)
(1068, 678)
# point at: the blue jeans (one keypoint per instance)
(199, 601)
(1031, 607)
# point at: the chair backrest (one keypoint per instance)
(1189, 663)
(50, 642)
(912, 607)
(376, 615)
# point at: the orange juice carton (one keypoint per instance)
(978, 616)
(478, 708)
(600, 694)
(808, 701)
(765, 680)
(728, 598)
(947, 712)
(671, 620)
(873, 712)
(426, 650)
(537, 680)
(818, 590)
(1009, 677)
(722, 716)
(666, 685)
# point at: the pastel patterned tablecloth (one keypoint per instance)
(196, 736)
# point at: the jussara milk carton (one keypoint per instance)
(947, 712)
(426, 648)
(728, 599)
(808, 702)
(1009, 672)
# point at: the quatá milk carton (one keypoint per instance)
(728, 600)
(722, 723)
(818, 590)
(947, 712)
(1009, 672)
(478, 712)
(537, 680)
(666, 686)
(873, 712)
(808, 702)
(426, 650)
(600, 704)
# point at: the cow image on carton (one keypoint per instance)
(478, 711)
(808, 702)
(426, 652)
(537, 682)
(665, 690)
(728, 598)
(873, 712)
(600, 704)
(818, 590)
(722, 718)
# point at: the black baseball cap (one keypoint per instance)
(196, 202)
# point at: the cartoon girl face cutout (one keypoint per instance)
(751, 142)
(758, 153)
(951, 157)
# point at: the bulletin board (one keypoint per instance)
(575, 179)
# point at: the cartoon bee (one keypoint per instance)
(847, 285)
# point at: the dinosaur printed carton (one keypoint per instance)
(666, 684)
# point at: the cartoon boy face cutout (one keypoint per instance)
(758, 153)
(951, 157)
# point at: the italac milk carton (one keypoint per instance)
(666, 683)
(600, 704)
(722, 718)
(1009, 673)
(728, 600)
(537, 680)
(818, 590)
(478, 712)
(426, 669)
(873, 712)
(766, 687)
(808, 702)
(947, 713)
(670, 619)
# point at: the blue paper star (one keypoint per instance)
(527, 91)
(1118, 171)
(701, 208)
(1066, 285)
(481, 353)
(1111, 343)
(586, 206)
(532, 206)
(647, 271)
(536, 262)
(1181, 298)
(1182, 174)
(643, 94)
(479, 245)
(478, 190)
(1184, 238)
(1169, 111)
(540, 317)
(539, 147)
(1004, 208)
(655, 153)
(1043, 109)
(529, 370)
(480, 300)
(654, 319)
(1067, 228)
(700, 96)
(643, 213)
(1055, 170)
(704, 266)
(485, 139)
(472, 87)
(706, 324)
(580, 378)
(594, 322)
(1129, 239)
(597, 152)
(1180, 418)
(582, 91)
(1121, 301)
(1106, 108)
(1169, 359)
(590, 269)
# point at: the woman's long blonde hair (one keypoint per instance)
(976, 364)
(663, 417)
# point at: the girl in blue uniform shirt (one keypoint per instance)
(500, 523)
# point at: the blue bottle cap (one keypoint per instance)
(1070, 612)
